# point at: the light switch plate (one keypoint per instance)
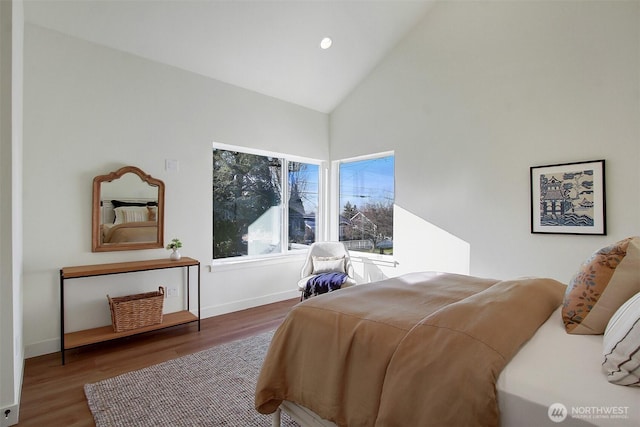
(171, 165)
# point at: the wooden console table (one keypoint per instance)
(106, 333)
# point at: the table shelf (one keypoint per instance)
(124, 267)
(106, 333)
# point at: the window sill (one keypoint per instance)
(368, 258)
(254, 262)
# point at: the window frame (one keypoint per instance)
(284, 205)
(335, 203)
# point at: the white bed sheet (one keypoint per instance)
(556, 367)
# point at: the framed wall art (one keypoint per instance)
(568, 198)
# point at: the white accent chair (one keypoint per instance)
(326, 249)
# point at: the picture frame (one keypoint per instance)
(568, 198)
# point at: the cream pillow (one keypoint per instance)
(621, 344)
(131, 214)
(605, 281)
(327, 264)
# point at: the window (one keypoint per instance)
(366, 189)
(303, 204)
(251, 217)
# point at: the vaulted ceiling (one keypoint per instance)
(268, 46)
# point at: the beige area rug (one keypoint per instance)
(214, 387)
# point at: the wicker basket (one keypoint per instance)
(136, 311)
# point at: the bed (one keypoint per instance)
(129, 220)
(382, 354)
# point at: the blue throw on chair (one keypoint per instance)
(323, 283)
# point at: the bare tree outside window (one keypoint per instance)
(366, 204)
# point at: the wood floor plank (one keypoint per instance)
(53, 395)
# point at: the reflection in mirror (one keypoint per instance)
(128, 211)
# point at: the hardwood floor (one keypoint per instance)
(53, 395)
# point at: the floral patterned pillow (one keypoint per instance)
(605, 281)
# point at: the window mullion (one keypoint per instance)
(284, 212)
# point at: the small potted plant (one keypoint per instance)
(175, 245)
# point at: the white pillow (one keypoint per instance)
(621, 343)
(327, 264)
(131, 214)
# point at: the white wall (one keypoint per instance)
(90, 110)
(474, 96)
(11, 310)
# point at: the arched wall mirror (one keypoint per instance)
(128, 211)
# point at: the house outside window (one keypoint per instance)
(366, 198)
(262, 204)
(303, 204)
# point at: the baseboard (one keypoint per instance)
(42, 347)
(247, 303)
(53, 345)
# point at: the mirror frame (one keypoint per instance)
(96, 245)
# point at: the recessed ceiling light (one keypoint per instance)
(326, 43)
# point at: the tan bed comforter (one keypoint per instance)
(132, 232)
(417, 350)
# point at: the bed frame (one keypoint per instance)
(300, 414)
